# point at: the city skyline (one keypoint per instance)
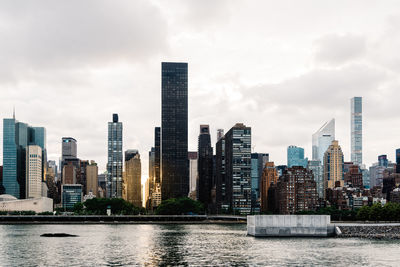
(296, 85)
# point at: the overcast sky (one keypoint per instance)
(282, 67)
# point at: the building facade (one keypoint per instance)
(258, 161)
(71, 194)
(269, 177)
(317, 169)
(205, 165)
(356, 130)
(295, 157)
(383, 161)
(17, 136)
(193, 175)
(238, 168)
(34, 172)
(114, 165)
(297, 191)
(92, 179)
(221, 194)
(354, 177)
(174, 130)
(322, 139)
(333, 166)
(133, 177)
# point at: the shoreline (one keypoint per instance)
(121, 219)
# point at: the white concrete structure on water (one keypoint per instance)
(289, 225)
(10, 203)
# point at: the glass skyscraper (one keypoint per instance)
(258, 161)
(398, 160)
(317, 170)
(322, 139)
(295, 157)
(356, 130)
(174, 130)
(16, 137)
(114, 165)
(238, 168)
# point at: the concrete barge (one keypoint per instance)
(290, 226)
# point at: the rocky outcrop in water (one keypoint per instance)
(371, 231)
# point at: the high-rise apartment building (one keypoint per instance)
(133, 177)
(317, 170)
(258, 161)
(174, 130)
(205, 165)
(333, 166)
(297, 191)
(33, 171)
(354, 177)
(295, 157)
(356, 130)
(269, 177)
(238, 168)
(16, 137)
(322, 139)
(114, 165)
(92, 179)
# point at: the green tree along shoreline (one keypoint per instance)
(180, 206)
(388, 212)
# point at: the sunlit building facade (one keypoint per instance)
(269, 177)
(133, 177)
(333, 166)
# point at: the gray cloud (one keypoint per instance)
(337, 49)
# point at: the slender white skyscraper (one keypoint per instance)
(322, 139)
(356, 130)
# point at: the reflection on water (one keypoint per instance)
(185, 245)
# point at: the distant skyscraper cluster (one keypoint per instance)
(232, 180)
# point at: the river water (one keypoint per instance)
(184, 245)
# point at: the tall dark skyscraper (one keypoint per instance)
(174, 130)
(398, 160)
(221, 183)
(114, 165)
(205, 165)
